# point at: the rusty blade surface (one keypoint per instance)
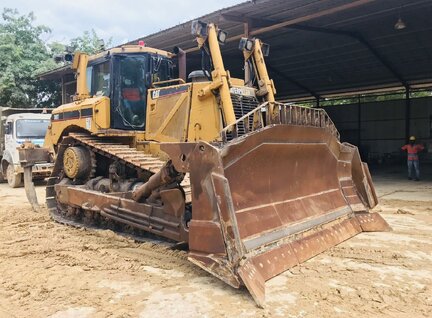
(296, 191)
(272, 199)
(282, 176)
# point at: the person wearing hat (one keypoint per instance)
(412, 150)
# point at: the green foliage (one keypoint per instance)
(22, 52)
(89, 43)
(367, 98)
(24, 55)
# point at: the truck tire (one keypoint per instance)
(14, 180)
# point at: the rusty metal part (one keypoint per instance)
(181, 58)
(29, 155)
(112, 148)
(124, 210)
(164, 176)
(283, 190)
(88, 204)
(280, 193)
(123, 153)
(29, 188)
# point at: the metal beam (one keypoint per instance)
(295, 21)
(293, 81)
(315, 15)
(407, 113)
(382, 59)
(259, 22)
(359, 121)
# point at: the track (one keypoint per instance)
(115, 150)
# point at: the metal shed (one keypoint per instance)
(325, 48)
(322, 48)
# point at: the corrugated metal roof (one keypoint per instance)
(326, 46)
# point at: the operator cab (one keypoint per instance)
(125, 79)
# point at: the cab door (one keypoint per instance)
(130, 85)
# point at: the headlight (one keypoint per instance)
(68, 57)
(265, 48)
(222, 36)
(199, 28)
(246, 44)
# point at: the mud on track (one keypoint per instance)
(50, 270)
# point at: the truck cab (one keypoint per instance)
(17, 129)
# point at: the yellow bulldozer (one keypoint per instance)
(253, 186)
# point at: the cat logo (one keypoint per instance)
(155, 94)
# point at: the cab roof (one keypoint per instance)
(66, 69)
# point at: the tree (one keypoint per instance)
(22, 53)
(89, 42)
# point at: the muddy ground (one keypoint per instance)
(49, 270)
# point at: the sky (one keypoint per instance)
(123, 20)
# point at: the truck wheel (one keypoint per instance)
(14, 180)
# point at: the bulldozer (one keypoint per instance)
(253, 186)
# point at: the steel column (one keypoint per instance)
(407, 113)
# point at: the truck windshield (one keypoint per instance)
(31, 128)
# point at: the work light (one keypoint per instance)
(265, 48)
(222, 36)
(199, 28)
(245, 44)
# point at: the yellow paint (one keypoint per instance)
(131, 49)
(183, 116)
(205, 121)
(220, 77)
(198, 113)
(99, 121)
(79, 64)
(266, 86)
(265, 83)
(101, 113)
(167, 116)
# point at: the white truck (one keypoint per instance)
(19, 126)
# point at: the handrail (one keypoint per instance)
(285, 114)
(180, 80)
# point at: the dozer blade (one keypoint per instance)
(273, 199)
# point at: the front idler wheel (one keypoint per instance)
(77, 163)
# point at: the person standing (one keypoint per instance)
(412, 150)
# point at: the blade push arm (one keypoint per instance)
(253, 54)
(208, 36)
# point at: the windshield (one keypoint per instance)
(31, 128)
(134, 74)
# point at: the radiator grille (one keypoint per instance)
(242, 105)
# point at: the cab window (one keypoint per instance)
(89, 78)
(161, 69)
(101, 79)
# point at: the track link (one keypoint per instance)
(130, 156)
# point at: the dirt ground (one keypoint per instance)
(50, 270)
